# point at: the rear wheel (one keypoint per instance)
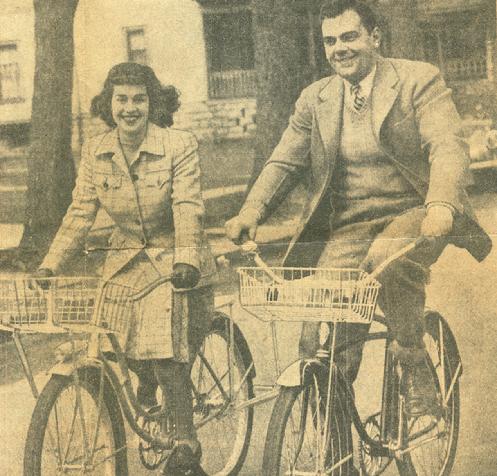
(222, 382)
(76, 428)
(431, 442)
(297, 441)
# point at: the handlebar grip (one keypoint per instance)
(249, 246)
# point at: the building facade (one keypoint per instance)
(208, 54)
(206, 49)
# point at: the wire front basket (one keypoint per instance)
(56, 304)
(308, 294)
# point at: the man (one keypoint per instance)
(379, 146)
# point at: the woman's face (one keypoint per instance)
(130, 108)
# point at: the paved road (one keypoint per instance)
(463, 290)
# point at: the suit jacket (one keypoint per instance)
(415, 124)
(155, 203)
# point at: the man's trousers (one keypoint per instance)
(402, 295)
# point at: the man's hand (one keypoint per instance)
(491, 140)
(437, 222)
(245, 222)
(40, 278)
(185, 276)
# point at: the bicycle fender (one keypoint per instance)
(292, 375)
(67, 368)
(302, 373)
(431, 319)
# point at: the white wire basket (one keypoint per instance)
(57, 304)
(308, 294)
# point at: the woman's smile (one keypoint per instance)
(130, 108)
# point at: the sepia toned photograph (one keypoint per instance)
(248, 237)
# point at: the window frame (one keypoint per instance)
(211, 71)
(128, 31)
(20, 97)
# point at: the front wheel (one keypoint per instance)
(431, 443)
(302, 440)
(76, 428)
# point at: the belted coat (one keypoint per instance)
(415, 124)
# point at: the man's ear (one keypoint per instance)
(376, 34)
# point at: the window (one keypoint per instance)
(135, 42)
(230, 53)
(10, 84)
(456, 46)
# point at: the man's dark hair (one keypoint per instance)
(163, 100)
(334, 8)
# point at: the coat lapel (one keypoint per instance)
(385, 91)
(329, 115)
(110, 145)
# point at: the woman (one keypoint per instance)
(146, 176)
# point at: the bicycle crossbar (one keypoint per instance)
(266, 396)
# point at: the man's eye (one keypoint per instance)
(349, 37)
(330, 41)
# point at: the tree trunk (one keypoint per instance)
(281, 56)
(50, 166)
(402, 36)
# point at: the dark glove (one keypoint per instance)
(185, 276)
(40, 275)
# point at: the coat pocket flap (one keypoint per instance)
(106, 181)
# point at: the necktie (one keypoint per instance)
(359, 100)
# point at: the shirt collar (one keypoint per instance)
(152, 143)
(366, 84)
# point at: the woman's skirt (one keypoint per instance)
(166, 323)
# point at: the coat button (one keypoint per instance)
(134, 177)
(158, 258)
(143, 241)
(138, 222)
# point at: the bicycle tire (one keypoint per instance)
(225, 439)
(50, 403)
(416, 462)
(341, 441)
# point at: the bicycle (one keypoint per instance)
(271, 294)
(309, 432)
(77, 426)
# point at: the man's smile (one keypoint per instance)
(345, 61)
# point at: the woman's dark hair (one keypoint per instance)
(334, 8)
(163, 100)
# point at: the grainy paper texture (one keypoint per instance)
(378, 143)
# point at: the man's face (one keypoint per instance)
(349, 47)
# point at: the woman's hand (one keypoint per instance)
(185, 276)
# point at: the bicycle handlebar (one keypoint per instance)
(250, 247)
